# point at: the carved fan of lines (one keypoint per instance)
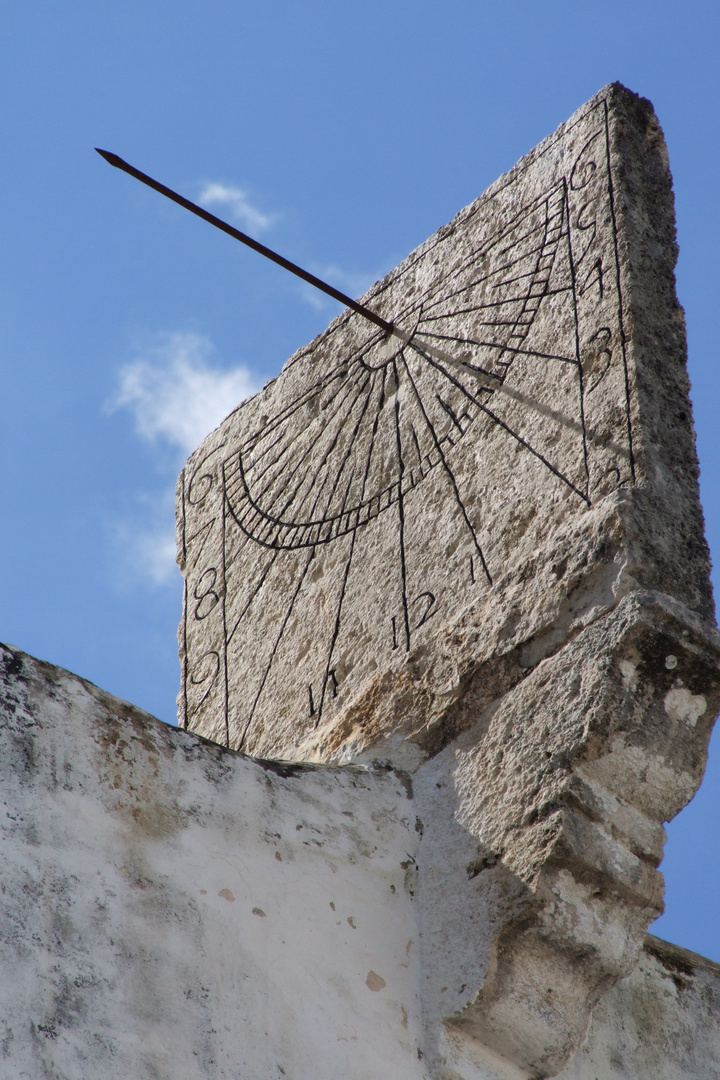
(372, 427)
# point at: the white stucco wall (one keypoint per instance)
(171, 910)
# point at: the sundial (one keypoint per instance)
(403, 468)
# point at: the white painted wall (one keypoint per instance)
(171, 910)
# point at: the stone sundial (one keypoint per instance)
(460, 534)
(383, 483)
(400, 476)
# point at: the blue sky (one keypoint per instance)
(341, 134)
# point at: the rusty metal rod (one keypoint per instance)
(118, 162)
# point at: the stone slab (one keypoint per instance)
(396, 530)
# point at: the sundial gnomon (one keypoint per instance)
(336, 522)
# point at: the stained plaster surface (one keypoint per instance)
(173, 909)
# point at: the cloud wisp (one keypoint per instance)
(175, 397)
(174, 393)
(238, 204)
(352, 284)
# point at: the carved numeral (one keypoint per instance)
(594, 276)
(205, 594)
(428, 610)
(206, 671)
(201, 483)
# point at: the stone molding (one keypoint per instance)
(563, 786)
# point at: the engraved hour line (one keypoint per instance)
(448, 471)
(533, 208)
(508, 266)
(285, 621)
(340, 371)
(321, 523)
(277, 421)
(339, 399)
(497, 345)
(350, 448)
(223, 605)
(576, 320)
(401, 508)
(520, 298)
(253, 510)
(508, 300)
(343, 394)
(254, 593)
(540, 225)
(342, 398)
(336, 628)
(621, 321)
(185, 605)
(451, 414)
(503, 425)
(539, 272)
(206, 528)
(340, 431)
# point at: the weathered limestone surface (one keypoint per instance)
(661, 1023)
(388, 536)
(544, 822)
(473, 549)
(170, 909)
(455, 578)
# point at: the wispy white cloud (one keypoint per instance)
(238, 203)
(174, 393)
(143, 542)
(348, 282)
(175, 396)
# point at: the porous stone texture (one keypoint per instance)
(543, 823)
(396, 530)
(171, 909)
(473, 549)
(659, 1024)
